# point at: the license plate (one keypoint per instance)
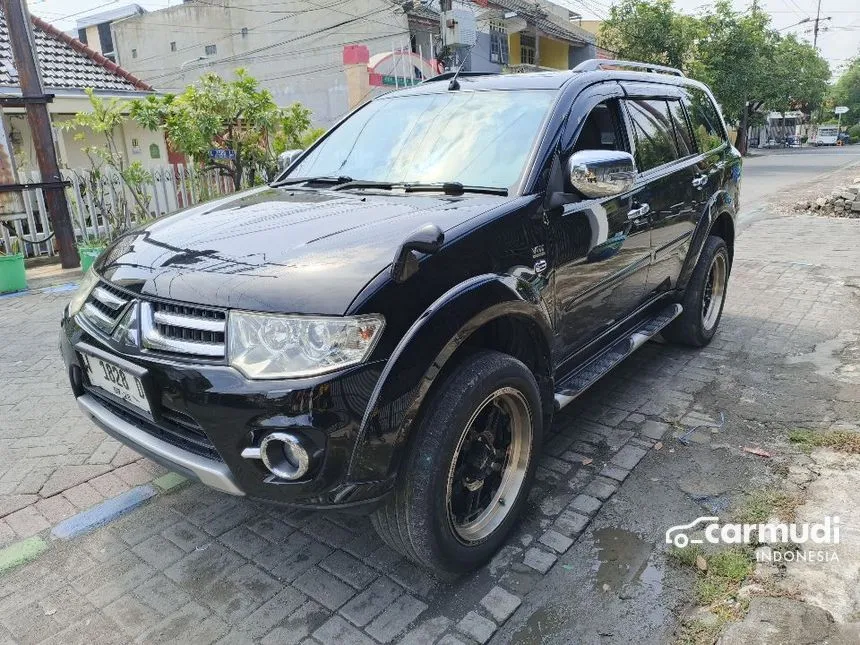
(117, 381)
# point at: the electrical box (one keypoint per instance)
(459, 28)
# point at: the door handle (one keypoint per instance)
(700, 181)
(641, 211)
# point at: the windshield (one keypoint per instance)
(474, 138)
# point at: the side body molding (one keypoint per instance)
(422, 353)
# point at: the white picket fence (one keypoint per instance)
(168, 188)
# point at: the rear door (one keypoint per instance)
(665, 159)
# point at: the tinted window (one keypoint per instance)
(683, 140)
(602, 129)
(476, 138)
(652, 132)
(707, 128)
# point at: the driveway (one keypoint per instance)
(587, 563)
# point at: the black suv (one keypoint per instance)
(391, 325)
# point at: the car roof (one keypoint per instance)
(544, 80)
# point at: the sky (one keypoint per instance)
(838, 38)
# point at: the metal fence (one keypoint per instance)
(166, 189)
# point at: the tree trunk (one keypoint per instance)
(742, 140)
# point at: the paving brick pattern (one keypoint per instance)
(198, 566)
(53, 462)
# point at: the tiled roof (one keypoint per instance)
(66, 63)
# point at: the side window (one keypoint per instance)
(652, 132)
(602, 130)
(683, 139)
(707, 128)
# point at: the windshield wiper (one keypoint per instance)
(366, 183)
(289, 181)
(454, 188)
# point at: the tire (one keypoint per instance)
(425, 518)
(704, 297)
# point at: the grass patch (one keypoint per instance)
(686, 557)
(837, 440)
(761, 505)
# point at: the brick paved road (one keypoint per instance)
(53, 462)
(197, 566)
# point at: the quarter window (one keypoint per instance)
(652, 132)
(683, 139)
(707, 127)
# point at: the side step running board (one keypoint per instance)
(588, 373)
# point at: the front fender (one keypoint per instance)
(420, 356)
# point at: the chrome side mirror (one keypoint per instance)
(601, 173)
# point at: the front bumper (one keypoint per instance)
(205, 415)
(208, 471)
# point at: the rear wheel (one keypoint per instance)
(704, 297)
(466, 478)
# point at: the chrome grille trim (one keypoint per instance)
(190, 322)
(108, 298)
(104, 307)
(156, 339)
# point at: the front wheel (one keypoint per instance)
(466, 477)
(704, 297)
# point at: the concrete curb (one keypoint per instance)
(101, 514)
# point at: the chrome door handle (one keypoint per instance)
(636, 213)
(700, 181)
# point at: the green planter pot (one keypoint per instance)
(88, 255)
(13, 277)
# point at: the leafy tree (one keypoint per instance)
(650, 31)
(216, 114)
(846, 91)
(735, 58)
(108, 163)
(296, 131)
(799, 78)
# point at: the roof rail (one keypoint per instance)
(444, 76)
(599, 63)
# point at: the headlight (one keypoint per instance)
(267, 346)
(89, 281)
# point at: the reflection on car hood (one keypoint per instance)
(282, 250)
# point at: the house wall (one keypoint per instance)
(275, 49)
(553, 53)
(69, 151)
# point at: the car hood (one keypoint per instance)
(278, 249)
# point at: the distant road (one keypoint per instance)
(772, 171)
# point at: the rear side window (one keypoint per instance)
(653, 133)
(707, 128)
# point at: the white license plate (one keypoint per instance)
(117, 381)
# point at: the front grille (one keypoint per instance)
(104, 306)
(184, 329)
(175, 428)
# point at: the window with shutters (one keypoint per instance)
(527, 49)
(498, 44)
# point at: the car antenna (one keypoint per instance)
(455, 84)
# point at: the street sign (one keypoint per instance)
(221, 153)
(840, 109)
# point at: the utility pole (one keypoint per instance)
(36, 104)
(817, 19)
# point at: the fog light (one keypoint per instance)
(284, 456)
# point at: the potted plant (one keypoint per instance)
(13, 276)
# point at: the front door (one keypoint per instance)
(600, 248)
